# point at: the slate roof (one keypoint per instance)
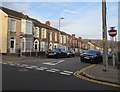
(13, 13)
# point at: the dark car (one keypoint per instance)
(57, 53)
(91, 56)
(70, 53)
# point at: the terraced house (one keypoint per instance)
(37, 37)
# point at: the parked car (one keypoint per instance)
(57, 53)
(91, 56)
(109, 55)
(70, 53)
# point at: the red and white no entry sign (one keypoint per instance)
(21, 36)
(112, 32)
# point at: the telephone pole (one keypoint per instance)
(105, 43)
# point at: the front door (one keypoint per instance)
(12, 45)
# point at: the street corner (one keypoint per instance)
(83, 75)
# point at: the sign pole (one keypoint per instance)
(20, 47)
(113, 52)
(21, 36)
(113, 33)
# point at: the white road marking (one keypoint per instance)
(65, 73)
(55, 69)
(59, 62)
(39, 69)
(51, 71)
(29, 67)
(52, 63)
(68, 72)
(12, 64)
(4, 63)
(24, 65)
(43, 67)
(18, 64)
(34, 66)
(48, 63)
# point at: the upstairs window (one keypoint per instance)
(28, 27)
(43, 33)
(55, 36)
(50, 36)
(12, 25)
(64, 39)
(36, 32)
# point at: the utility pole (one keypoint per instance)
(105, 43)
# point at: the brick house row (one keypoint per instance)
(37, 36)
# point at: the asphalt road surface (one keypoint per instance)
(21, 78)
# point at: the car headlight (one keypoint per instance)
(92, 57)
(68, 53)
(55, 53)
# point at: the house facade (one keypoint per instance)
(3, 33)
(36, 36)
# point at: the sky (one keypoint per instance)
(81, 17)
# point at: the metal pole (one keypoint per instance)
(20, 47)
(59, 32)
(113, 52)
(59, 29)
(105, 44)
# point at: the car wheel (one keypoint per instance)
(82, 60)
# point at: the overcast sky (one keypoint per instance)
(81, 17)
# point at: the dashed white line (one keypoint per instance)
(54, 69)
(24, 65)
(29, 67)
(34, 66)
(43, 67)
(68, 72)
(39, 69)
(51, 71)
(65, 73)
(12, 64)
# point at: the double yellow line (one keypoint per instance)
(77, 74)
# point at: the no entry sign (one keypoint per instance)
(21, 36)
(112, 32)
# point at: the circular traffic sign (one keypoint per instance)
(112, 32)
(21, 36)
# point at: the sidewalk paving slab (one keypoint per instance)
(97, 73)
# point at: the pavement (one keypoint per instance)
(96, 72)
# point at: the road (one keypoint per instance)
(57, 74)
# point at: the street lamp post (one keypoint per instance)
(59, 29)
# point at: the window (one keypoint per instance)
(60, 38)
(42, 46)
(64, 39)
(36, 32)
(55, 36)
(43, 33)
(27, 44)
(50, 36)
(12, 25)
(28, 27)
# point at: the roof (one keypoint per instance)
(13, 13)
